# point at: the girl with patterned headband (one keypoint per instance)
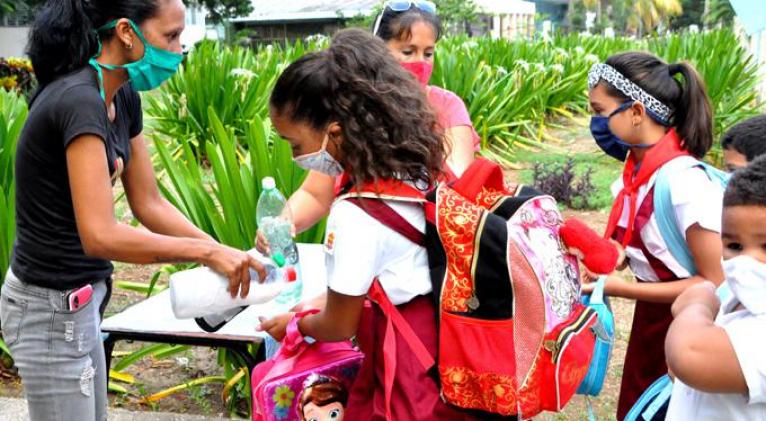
(656, 117)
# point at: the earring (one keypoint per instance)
(129, 46)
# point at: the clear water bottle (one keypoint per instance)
(275, 222)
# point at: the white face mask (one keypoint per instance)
(747, 279)
(320, 161)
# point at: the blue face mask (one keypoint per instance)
(156, 66)
(608, 141)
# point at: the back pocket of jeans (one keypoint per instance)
(11, 316)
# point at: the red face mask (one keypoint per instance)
(421, 69)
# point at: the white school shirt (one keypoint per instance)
(359, 249)
(696, 199)
(747, 333)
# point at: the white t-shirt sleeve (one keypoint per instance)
(696, 200)
(352, 250)
(749, 347)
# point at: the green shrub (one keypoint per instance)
(13, 114)
(223, 204)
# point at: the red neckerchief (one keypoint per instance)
(667, 149)
(385, 187)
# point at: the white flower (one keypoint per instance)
(579, 50)
(240, 72)
(316, 37)
(501, 70)
(523, 64)
(183, 110)
(562, 52)
(558, 68)
(592, 58)
(540, 67)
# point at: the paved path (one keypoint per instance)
(16, 410)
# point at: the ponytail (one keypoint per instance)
(63, 35)
(389, 130)
(62, 39)
(692, 113)
(693, 117)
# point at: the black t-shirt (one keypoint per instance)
(48, 251)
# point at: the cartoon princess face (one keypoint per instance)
(322, 399)
(330, 412)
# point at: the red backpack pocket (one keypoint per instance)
(567, 351)
(480, 376)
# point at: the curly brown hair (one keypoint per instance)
(389, 130)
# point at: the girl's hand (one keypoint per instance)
(622, 260)
(702, 293)
(587, 288)
(276, 326)
(262, 244)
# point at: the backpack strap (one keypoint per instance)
(387, 216)
(395, 320)
(652, 400)
(665, 214)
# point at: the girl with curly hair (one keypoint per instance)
(353, 110)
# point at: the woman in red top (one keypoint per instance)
(411, 31)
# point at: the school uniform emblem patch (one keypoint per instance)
(329, 242)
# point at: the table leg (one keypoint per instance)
(108, 350)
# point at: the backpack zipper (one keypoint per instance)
(555, 346)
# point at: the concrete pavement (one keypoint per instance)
(16, 410)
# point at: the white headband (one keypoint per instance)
(601, 71)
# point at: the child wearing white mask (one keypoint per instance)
(716, 349)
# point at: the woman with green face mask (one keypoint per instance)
(83, 132)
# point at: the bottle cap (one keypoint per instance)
(268, 183)
(290, 274)
(278, 258)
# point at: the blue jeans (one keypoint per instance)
(58, 352)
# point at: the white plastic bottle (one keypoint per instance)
(204, 294)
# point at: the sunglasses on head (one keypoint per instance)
(403, 6)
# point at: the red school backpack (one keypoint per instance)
(514, 338)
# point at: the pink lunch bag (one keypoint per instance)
(304, 378)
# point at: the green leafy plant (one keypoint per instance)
(223, 204)
(235, 82)
(13, 114)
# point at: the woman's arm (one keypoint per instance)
(698, 352)
(103, 237)
(706, 249)
(149, 207)
(459, 141)
(337, 321)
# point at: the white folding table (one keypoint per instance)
(152, 320)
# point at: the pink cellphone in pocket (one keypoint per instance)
(79, 297)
